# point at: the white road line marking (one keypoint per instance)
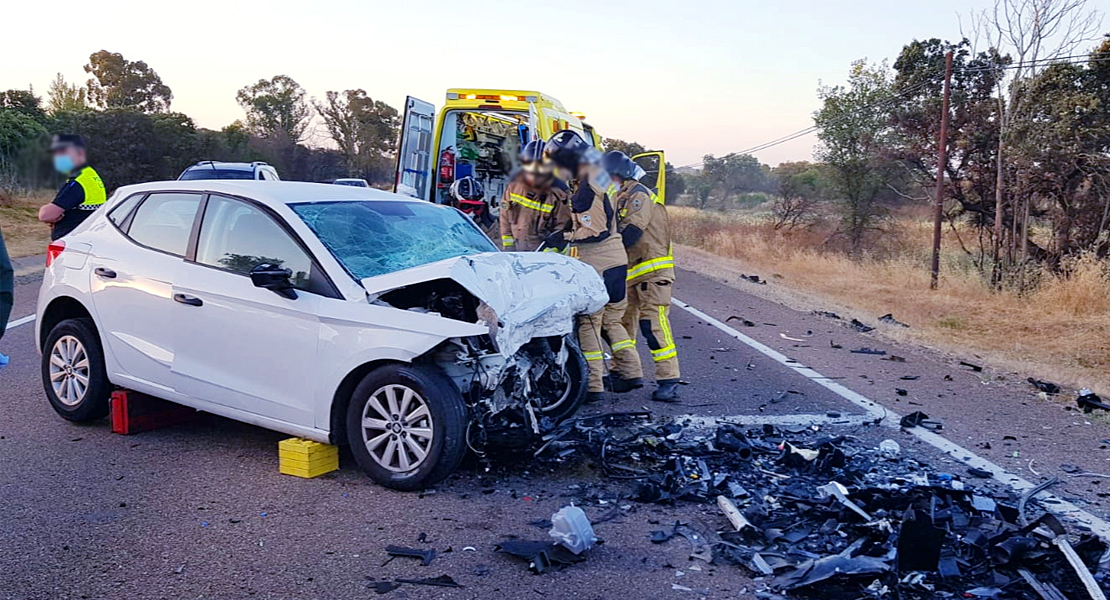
(796, 420)
(1051, 502)
(18, 322)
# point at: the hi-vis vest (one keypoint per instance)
(93, 186)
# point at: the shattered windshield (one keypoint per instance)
(374, 237)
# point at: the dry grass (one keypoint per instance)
(19, 224)
(1058, 331)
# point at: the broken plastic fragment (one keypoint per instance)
(732, 513)
(426, 556)
(572, 530)
(836, 490)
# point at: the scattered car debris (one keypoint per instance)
(972, 366)
(866, 350)
(827, 314)
(920, 419)
(384, 587)
(792, 339)
(1088, 401)
(910, 377)
(571, 529)
(426, 556)
(901, 391)
(441, 581)
(746, 322)
(540, 555)
(890, 320)
(828, 516)
(860, 327)
(753, 279)
(895, 358)
(835, 346)
(1045, 386)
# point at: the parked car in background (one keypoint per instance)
(352, 182)
(210, 169)
(333, 313)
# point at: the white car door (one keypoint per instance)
(414, 153)
(132, 279)
(237, 345)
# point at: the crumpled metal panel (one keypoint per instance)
(535, 294)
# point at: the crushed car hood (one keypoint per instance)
(534, 294)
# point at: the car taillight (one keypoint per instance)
(53, 251)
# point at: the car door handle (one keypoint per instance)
(190, 300)
(105, 273)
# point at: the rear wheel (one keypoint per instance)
(406, 425)
(73, 373)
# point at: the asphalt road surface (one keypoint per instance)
(200, 511)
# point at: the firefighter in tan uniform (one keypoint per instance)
(645, 231)
(534, 204)
(594, 239)
(469, 196)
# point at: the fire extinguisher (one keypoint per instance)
(446, 167)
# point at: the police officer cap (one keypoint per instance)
(66, 140)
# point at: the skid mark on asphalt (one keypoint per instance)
(18, 322)
(1051, 502)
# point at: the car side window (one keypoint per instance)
(122, 210)
(164, 221)
(237, 236)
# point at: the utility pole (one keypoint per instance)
(942, 163)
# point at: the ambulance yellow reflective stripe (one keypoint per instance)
(617, 347)
(593, 355)
(668, 350)
(650, 266)
(532, 204)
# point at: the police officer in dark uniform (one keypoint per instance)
(82, 193)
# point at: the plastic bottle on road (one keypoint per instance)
(889, 449)
(571, 529)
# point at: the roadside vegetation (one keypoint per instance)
(24, 235)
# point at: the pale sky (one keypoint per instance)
(692, 77)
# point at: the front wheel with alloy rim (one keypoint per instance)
(73, 374)
(406, 425)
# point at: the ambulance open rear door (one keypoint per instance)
(414, 154)
(655, 173)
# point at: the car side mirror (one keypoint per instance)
(275, 279)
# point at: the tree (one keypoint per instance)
(63, 97)
(973, 129)
(24, 102)
(735, 174)
(21, 148)
(365, 130)
(801, 185)
(120, 83)
(1034, 33)
(276, 109)
(855, 134)
(629, 148)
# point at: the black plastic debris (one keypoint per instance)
(746, 322)
(1088, 401)
(901, 391)
(866, 350)
(426, 556)
(1045, 386)
(910, 377)
(919, 542)
(541, 556)
(826, 314)
(972, 366)
(895, 358)
(442, 581)
(980, 473)
(890, 320)
(384, 587)
(920, 419)
(753, 279)
(860, 327)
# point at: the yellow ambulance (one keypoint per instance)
(480, 133)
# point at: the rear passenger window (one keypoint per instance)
(164, 221)
(122, 210)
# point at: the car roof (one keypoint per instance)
(215, 164)
(272, 193)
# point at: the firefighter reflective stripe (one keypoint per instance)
(656, 198)
(621, 345)
(650, 266)
(91, 183)
(593, 355)
(668, 350)
(507, 240)
(532, 204)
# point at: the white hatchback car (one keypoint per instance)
(338, 314)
